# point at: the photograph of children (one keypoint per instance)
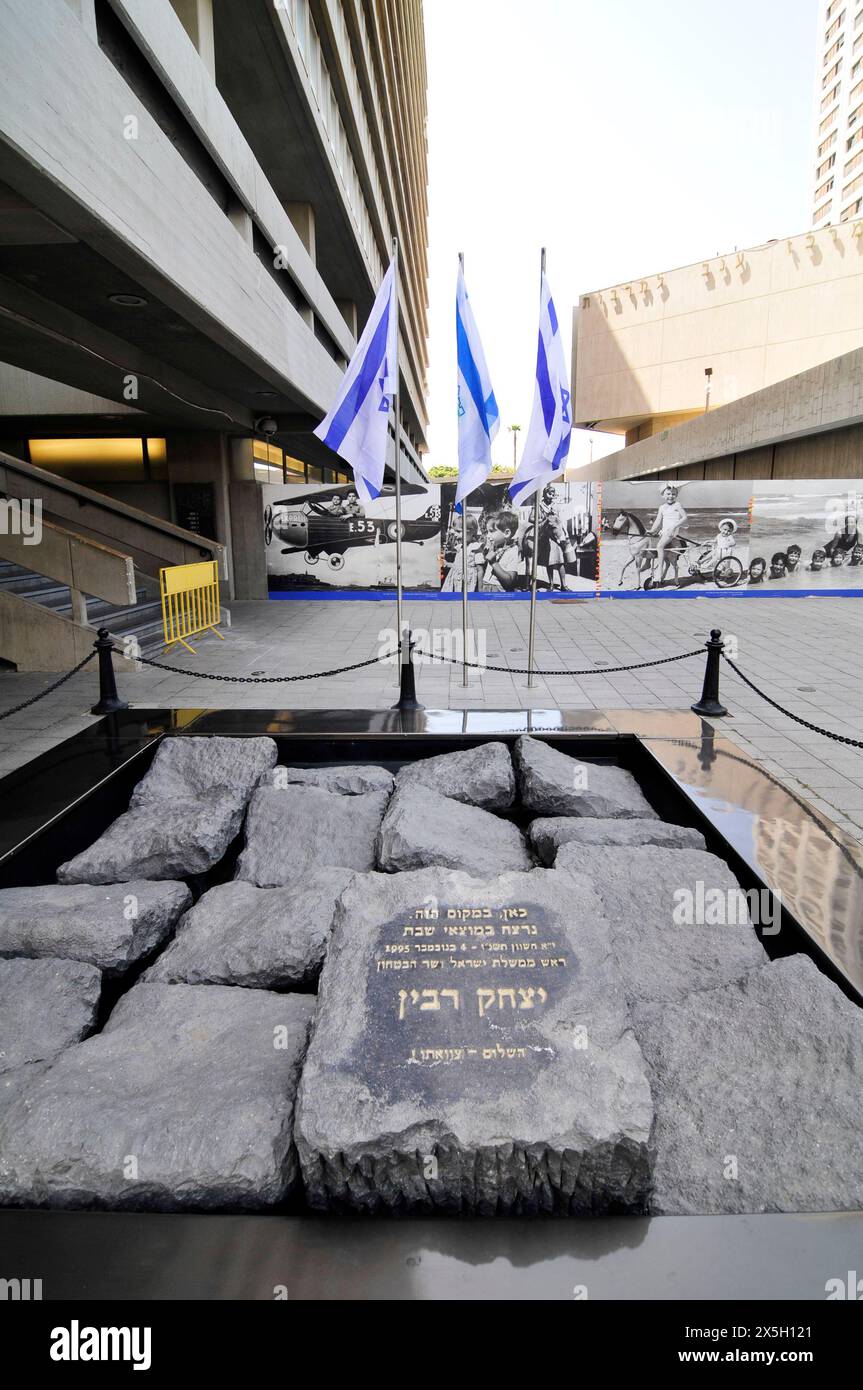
(324, 537)
(500, 540)
(808, 534)
(672, 536)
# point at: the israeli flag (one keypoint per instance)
(478, 415)
(357, 427)
(546, 447)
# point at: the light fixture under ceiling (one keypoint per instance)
(128, 301)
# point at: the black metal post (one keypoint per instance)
(709, 703)
(407, 684)
(109, 700)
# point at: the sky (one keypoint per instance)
(626, 136)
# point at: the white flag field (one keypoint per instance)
(478, 415)
(357, 426)
(546, 447)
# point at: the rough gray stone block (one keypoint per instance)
(185, 1100)
(549, 833)
(186, 765)
(757, 1088)
(159, 840)
(44, 1006)
(558, 785)
(351, 780)
(646, 892)
(262, 938)
(481, 776)
(448, 1073)
(291, 829)
(111, 927)
(421, 829)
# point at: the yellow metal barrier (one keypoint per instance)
(190, 601)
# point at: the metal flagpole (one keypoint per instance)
(464, 619)
(532, 637)
(404, 654)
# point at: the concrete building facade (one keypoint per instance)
(837, 146)
(197, 201)
(646, 352)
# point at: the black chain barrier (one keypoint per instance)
(586, 671)
(816, 729)
(249, 680)
(40, 695)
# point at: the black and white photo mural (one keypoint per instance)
(669, 536)
(500, 540)
(321, 538)
(807, 535)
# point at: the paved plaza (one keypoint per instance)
(807, 653)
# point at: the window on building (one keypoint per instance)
(855, 138)
(858, 18)
(852, 210)
(126, 460)
(830, 98)
(825, 167)
(853, 164)
(834, 49)
(826, 144)
(852, 187)
(824, 189)
(834, 72)
(827, 122)
(273, 465)
(820, 213)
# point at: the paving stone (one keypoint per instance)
(481, 776)
(422, 828)
(108, 926)
(44, 1006)
(548, 834)
(757, 1088)
(646, 892)
(473, 1052)
(558, 785)
(262, 938)
(291, 829)
(187, 766)
(351, 780)
(184, 1101)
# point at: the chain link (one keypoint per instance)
(816, 729)
(40, 695)
(587, 671)
(248, 680)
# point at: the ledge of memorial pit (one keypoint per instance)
(108, 926)
(188, 766)
(422, 828)
(536, 1107)
(757, 1089)
(558, 785)
(183, 1102)
(257, 938)
(646, 892)
(295, 828)
(349, 780)
(45, 1006)
(548, 834)
(160, 840)
(481, 776)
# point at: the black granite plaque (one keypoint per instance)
(454, 996)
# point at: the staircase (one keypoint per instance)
(143, 620)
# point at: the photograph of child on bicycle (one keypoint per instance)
(675, 535)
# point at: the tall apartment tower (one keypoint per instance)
(838, 145)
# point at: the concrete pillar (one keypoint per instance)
(196, 17)
(249, 552)
(202, 457)
(348, 310)
(242, 459)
